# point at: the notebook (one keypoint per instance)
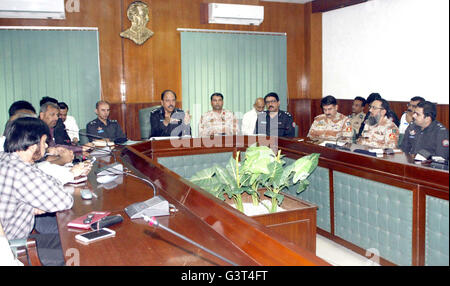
(78, 222)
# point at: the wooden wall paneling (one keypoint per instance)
(443, 115)
(156, 65)
(301, 111)
(138, 61)
(312, 78)
(289, 18)
(328, 5)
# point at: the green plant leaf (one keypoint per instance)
(232, 171)
(203, 174)
(275, 175)
(269, 194)
(280, 199)
(225, 177)
(302, 186)
(304, 166)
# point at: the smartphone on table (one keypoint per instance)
(95, 235)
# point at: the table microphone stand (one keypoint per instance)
(153, 222)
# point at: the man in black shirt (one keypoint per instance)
(169, 120)
(103, 127)
(426, 135)
(275, 122)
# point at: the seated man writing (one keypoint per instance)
(26, 191)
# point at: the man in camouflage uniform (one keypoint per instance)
(358, 115)
(103, 127)
(218, 121)
(379, 130)
(331, 125)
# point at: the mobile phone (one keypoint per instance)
(95, 235)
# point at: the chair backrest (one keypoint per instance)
(23, 250)
(144, 121)
(83, 139)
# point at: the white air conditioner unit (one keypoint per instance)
(32, 9)
(236, 14)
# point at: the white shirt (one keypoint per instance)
(2, 141)
(249, 122)
(403, 124)
(72, 127)
(62, 173)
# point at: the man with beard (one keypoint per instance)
(379, 130)
(425, 133)
(331, 124)
(26, 191)
(168, 120)
(218, 121)
(275, 122)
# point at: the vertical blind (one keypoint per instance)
(63, 64)
(240, 66)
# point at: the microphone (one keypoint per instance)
(97, 137)
(87, 134)
(365, 152)
(116, 141)
(336, 146)
(115, 171)
(153, 222)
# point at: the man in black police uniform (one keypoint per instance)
(103, 127)
(275, 122)
(168, 120)
(426, 135)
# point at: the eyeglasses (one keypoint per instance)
(375, 107)
(270, 101)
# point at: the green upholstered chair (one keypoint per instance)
(24, 250)
(83, 139)
(400, 138)
(144, 121)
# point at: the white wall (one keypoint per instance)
(399, 48)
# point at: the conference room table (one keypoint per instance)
(406, 193)
(136, 243)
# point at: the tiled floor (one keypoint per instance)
(338, 255)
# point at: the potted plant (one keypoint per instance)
(261, 168)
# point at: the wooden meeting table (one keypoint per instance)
(138, 244)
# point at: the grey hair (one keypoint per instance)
(45, 106)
